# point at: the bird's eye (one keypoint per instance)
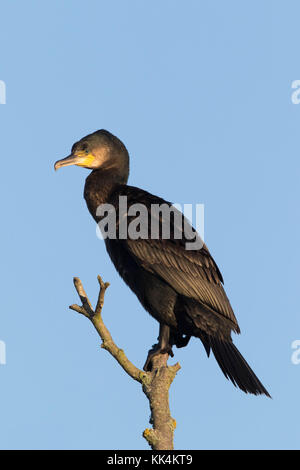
(87, 151)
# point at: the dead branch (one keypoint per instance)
(155, 384)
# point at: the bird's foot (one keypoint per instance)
(157, 349)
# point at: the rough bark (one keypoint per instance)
(155, 384)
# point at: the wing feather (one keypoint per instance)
(192, 273)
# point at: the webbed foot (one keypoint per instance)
(154, 352)
(163, 346)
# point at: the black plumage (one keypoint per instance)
(182, 289)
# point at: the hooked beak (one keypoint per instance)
(70, 160)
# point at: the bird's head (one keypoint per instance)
(98, 150)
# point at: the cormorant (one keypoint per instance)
(182, 289)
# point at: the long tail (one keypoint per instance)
(235, 368)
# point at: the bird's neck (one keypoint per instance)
(100, 184)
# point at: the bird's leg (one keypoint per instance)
(162, 347)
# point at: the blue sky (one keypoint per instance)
(200, 93)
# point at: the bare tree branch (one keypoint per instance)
(155, 384)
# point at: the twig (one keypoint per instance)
(155, 384)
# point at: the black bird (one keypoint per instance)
(182, 289)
